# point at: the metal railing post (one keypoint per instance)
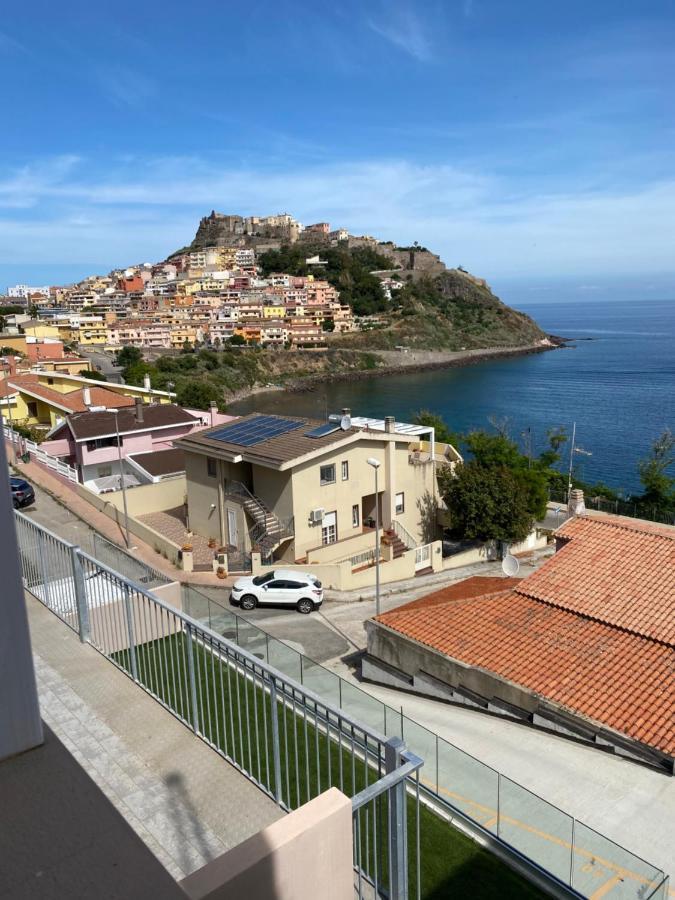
(44, 574)
(276, 755)
(130, 631)
(84, 628)
(398, 827)
(189, 640)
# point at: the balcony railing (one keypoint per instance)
(236, 691)
(282, 736)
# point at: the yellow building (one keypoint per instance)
(95, 334)
(273, 312)
(44, 398)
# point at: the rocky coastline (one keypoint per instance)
(421, 361)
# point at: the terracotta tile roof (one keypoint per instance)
(477, 586)
(617, 679)
(616, 570)
(72, 400)
(592, 630)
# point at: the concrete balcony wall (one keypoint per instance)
(342, 549)
(306, 854)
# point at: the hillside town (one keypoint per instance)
(442, 575)
(204, 295)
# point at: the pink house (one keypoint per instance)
(88, 440)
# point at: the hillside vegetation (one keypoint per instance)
(348, 270)
(206, 375)
(450, 311)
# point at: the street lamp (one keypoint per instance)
(115, 413)
(124, 489)
(375, 463)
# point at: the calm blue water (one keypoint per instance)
(618, 387)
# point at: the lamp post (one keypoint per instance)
(375, 463)
(124, 489)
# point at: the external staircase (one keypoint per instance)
(268, 530)
(391, 539)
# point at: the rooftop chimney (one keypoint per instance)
(86, 396)
(139, 409)
(146, 382)
(389, 424)
(576, 505)
(346, 411)
(213, 412)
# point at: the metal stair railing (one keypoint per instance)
(269, 530)
(403, 535)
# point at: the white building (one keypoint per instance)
(25, 291)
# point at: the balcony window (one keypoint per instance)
(400, 504)
(99, 443)
(356, 515)
(327, 474)
(345, 470)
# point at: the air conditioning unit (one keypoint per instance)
(316, 516)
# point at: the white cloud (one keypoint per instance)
(126, 87)
(403, 27)
(494, 226)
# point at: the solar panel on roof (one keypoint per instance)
(255, 430)
(322, 430)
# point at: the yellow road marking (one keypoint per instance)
(606, 888)
(620, 872)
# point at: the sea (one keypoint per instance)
(615, 380)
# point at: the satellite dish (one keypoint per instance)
(345, 422)
(510, 565)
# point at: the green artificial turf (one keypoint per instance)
(234, 714)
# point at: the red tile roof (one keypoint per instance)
(616, 570)
(592, 630)
(72, 400)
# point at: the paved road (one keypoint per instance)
(103, 362)
(52, 515)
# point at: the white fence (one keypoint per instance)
(52, 462)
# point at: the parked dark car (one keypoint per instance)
(22, 493)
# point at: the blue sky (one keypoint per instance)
(531, 142)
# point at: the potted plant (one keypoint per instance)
(187, 548)
(220, 572)
(212, 543)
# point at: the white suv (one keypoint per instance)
(281, 587)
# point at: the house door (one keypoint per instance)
(232, 531)
(329, 528)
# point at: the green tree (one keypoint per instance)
(496, 484)
(495, 450)
(489, 503)
(129, 356)
(556, 437)
(237, 340)
(658, 484)
(197, 394)
(441, 430)
(93, 375)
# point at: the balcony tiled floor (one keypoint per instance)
(184, 801)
